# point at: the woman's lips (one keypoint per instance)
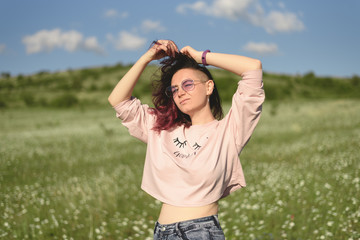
(184, 101)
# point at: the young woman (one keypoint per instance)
(192, 158)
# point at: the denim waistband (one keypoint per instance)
(187, 225)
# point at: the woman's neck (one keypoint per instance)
(202, 117)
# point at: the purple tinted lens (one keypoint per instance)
(188, 85)
(174, 90)
(168, 91)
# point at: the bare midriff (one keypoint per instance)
(172, 214)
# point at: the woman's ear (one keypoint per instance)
(209, 87)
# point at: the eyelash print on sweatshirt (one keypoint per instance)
(196, 146)
(180, 144)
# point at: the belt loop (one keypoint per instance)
(216, 221)
(156, 226)
(179, 232)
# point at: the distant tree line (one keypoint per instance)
(92, 86)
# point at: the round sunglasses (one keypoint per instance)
(187, 85)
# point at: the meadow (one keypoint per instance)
(70, 170)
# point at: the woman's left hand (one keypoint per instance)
(192, 53)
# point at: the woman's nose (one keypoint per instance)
(181, 92)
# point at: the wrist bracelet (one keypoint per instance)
(203, 58)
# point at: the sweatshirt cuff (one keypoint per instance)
(252, 78)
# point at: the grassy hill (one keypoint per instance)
(91, 86)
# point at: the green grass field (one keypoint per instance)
(75, 174)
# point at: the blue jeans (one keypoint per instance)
(206, 228)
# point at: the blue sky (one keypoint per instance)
(292, 37)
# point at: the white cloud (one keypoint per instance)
(91, 44)
(281, 5)
(277, 21)
(248, 10)
(126, 41)
(113, 13)
(261, 48)
(231, 9)
(150, 26)
(197, 7)
(71, 41)
(2, 48)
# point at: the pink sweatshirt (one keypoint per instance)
(199, 165)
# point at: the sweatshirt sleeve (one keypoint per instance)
(246, 107)
(135, 117)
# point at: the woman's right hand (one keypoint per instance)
(161, 49)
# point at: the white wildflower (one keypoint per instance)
(330, 223)
(291, 225)
(136, 228)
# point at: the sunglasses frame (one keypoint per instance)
(169, 92)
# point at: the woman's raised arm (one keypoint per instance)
(234, 63)
(125, 86)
